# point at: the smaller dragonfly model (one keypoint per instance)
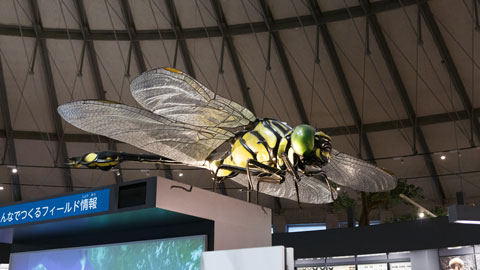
(186, 123)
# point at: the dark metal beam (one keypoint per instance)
(222, 24)
(10, 145)
(332, 131)
(341, 78)
(450, 65)
(199, 32)
(94, 67)
(402, 92)
(132, 33)
(287, 70)
(62, 154)
(177, 29)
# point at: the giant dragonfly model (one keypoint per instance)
(187, 123)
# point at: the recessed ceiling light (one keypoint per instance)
(443, 157)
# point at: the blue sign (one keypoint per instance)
(66, 206)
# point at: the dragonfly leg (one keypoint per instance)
(253, 168)
(273, 177)
(324, 176)
(296, 178)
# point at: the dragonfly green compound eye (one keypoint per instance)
(303, 139)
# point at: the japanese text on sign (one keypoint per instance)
(66, 206)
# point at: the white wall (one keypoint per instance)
(238, 224)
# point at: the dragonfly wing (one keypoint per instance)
(312, 190)
(173, 94)
(355, 173)
(174, 140)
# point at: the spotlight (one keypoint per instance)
(338, 188)
(421, 215)
(14, 170)
(180, 174)
(443, 157)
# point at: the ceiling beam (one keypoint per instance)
(341, 78)
(287, 70)
(199, 32)
(9, 144)
(237, 68)
(177, 29)
(402, 92)
(62, 154)
(94, 67)
(332, 131)
(450, 65)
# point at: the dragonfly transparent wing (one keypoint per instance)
(312, 190)
(355, 173)
(175, 140)
(177, 96)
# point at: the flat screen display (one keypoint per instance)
(172, 254)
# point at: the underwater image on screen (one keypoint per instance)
(173, 254)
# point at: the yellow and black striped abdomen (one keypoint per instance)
(265, 143)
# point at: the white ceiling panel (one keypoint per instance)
(278, 102)
(195, 13)
(26, 92)
(104, 15)
(15, 13)
(113, 65)
(328, 103)
(59, 14)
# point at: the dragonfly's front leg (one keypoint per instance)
(294, 173)
(323, 175)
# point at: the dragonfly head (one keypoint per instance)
(311, 145)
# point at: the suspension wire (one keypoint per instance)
(315, 52)
(23, 88)
(115, 31)
(313, 89)
(220, 64)
(240, 57)
(415, 122)
(160, 33)
(124, 61)
(367, 52)
(100, 61)
(462, 128)
(320, 96)
(419, 75)
(402, 129)
(73, 53)
(477, 27)
(264, 58)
